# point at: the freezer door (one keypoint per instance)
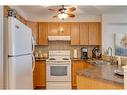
(20, 37)
(20, 72)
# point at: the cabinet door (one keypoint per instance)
(74, 33)
(64, 29)
(76, 65)
(43, 33)
(39, 75)
(34, 28)
(84, 33)
(53, 29)
(94, 33)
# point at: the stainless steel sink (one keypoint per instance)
(99, 62)
(119, 72)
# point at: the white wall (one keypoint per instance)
(112, 24)
(1, 47)
(78, 18)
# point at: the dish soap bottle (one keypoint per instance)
(119, 61)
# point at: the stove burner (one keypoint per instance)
(65, 59)
(52, 59)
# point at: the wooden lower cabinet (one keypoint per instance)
(89, 84)
(39, 75)
(77, 65)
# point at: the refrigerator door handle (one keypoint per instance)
(33, 66)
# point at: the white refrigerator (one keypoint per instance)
(18, 67)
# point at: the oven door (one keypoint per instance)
(58, 72)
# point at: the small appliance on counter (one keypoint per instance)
(96, 53)
(84, 53)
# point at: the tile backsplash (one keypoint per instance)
(64, 45)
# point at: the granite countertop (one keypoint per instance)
(102, 71)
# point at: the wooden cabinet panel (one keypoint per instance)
(84, 33)
(76, 65)
(93, 84)
(53, 28)
(39, 74)
(34, 27)
(64, 29)
(94, 33)
(43, 33)
(75, 34)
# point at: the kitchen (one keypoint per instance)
(74, 53)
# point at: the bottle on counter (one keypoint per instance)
(75, 54)
(119, 61)
(36, 55)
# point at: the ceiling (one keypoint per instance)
(41, 13)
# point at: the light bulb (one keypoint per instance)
(62, 15)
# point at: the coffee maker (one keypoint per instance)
(96, 53)
(84, 53)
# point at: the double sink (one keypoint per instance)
(118, 71)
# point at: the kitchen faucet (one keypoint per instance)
(111, 57)
(110, 49)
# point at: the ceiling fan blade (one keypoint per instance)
(53, 10)
(55, 16)
(71, 9)
(71, 15)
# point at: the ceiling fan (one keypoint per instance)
(64, 12)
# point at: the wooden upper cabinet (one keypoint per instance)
(53, 28)
(34, 28)
(64, 29)
(75, 34)
(84, 33)
(43, 33)
(94, 33)
(58, 29)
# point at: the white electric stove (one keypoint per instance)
(58, 70)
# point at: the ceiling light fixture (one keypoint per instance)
(63, 16)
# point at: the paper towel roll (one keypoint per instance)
(75, 53)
